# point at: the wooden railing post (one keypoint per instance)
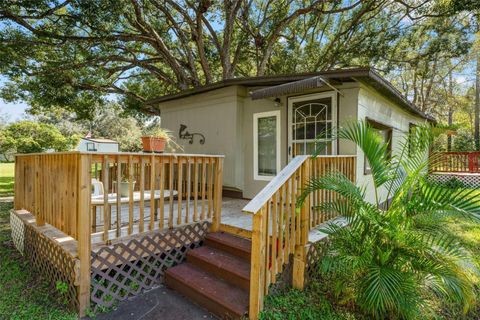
(299, 258)
(83, 231)
(471, 162)
(39, 219)
(218, 185)
(258, 267)
(19, 184)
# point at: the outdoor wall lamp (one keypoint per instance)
(277, 102)
(184, 134)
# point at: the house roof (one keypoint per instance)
(364, 75)
(100, 140)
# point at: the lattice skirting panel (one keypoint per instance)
(18, 232)
(314, 255)
(126, 269)
(468, 180)
(53, 263)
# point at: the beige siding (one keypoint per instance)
(374, 106)
(347, 113)
(216, 115)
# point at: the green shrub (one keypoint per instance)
(396, 261)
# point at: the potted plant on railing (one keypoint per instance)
(157, 140)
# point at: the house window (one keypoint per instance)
(386, 133)
(91, 146)
(312, 119)
(266, 145)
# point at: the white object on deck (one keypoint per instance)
(97, 188)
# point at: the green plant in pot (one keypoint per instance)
(157, 139)
(124, 185)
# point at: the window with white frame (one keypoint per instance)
(266, 145)
(312, 120)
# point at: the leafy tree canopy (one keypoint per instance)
(76, 53)
(108, 121)
(29, 137)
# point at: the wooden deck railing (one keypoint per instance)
(47, 185)
(187, 188)
(164, 191)
(461, 162)
(280, 229)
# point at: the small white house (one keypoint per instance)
(260, 124)
(97, 145)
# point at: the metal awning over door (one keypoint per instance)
(292, 87)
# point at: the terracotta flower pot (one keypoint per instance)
(153, 144)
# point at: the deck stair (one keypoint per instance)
(216, 276)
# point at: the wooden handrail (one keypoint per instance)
(169, 190)
(114, 154)
(269, 190)
(280, 229)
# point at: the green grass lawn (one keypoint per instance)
(7, 171)
(23, 295)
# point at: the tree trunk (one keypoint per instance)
(477, 105)
(450, 122)
(450, 110)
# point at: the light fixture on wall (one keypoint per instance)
(277, 102)
(184, 134)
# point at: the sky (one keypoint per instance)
(14, 111)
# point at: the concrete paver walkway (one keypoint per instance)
(160, 303)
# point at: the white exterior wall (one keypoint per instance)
(100, 146)
(374, 106)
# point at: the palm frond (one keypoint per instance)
(370, 142)
(385, 289)
(433, 197)
(333, 181)
(390, 260)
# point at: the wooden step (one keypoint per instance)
(234, 245)
(224, 265)
(219, 297)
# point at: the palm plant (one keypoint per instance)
(395, 254)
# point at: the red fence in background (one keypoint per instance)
(463, 162)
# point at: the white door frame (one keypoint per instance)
(291, 100)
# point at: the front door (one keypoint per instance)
(311, 119)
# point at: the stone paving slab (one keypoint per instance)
(160, 303)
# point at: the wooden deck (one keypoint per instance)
(126, 236)
(232, 215)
